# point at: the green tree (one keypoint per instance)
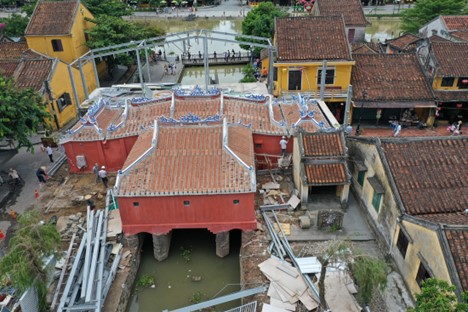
(23, 264)
(369, 274)
(21, 113)
(438, 295)
(248, 74)
(15, 25)
(261, 22)
(424, 11)
(108, 7)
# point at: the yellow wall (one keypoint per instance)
(310, 77)
(425, 242)
(74, 44)
(437, 84)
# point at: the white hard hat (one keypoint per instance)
(283, 137)
(103, 167)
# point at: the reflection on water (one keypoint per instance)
(175, 285)
(218, 74)
(383, 28)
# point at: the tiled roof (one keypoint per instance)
(32, 73)
(367, 47)
(458, 244)
(189, 160)
(139, 118)
(460, 34)
(254, 113)
(312, 38)
(437, 38)
(454, 218)
(7, 68)
(105, 117)
(455, 22)
(202, 107)
(52, 18)
(12, 50)
(352, 11)
(323, 144)
(389, 77)
(324, 174)
(451, 96)
(431, 175)
(451, 58)
(406, 42)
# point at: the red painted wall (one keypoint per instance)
(269, 145)
(159, 215)
(111, 153)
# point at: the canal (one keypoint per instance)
(192, 273)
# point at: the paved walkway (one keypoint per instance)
(368, 131)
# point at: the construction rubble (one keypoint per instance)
(91, 261)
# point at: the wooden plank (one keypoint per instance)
(269, 308)
(283, 305)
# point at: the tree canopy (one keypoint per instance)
(15, 25)
(23, 265)
(21, 112)
(261, 21)
(438, 295)
(424, 11)
(108, 7)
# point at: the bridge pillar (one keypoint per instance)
(222, 244)
(131, 240)
(161, 245)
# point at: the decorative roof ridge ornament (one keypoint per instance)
(190, 118)
(197, 91)
(113, 127)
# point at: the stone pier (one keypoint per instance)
(161, 245)
(222, 244)
(344, 196)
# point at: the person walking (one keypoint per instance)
(283, 143)
(397, 129)
(96, 171)
(214, 55)
(41, 175)
(49, 153)
(103, 176)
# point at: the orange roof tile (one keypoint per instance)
(52, 18)
(431, 175)
(104, 118)
(200, 106)
(312, 38)
(326, 174)
(458, 243)
(455, 22)
(389, 78)
(351, 10)
(189, 159)
(323, 144)
(292, 116)
(12, 50)
(451, 58)
(406, 42)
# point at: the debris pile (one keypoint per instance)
(89, 267)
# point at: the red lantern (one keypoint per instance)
(465, 81)
(459, 105)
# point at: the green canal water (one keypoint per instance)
(175, 287)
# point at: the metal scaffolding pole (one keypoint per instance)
(75, 93)
(322, 80)
(83, 80)
(206, 61)
(348, 106)
(147, 64)
(96, 75)
(92, 273)
(270, 71)
(90, 231)
(140, 74)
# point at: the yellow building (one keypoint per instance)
(446, 64)
(46, 75)
(303, 45)
(414, 194)
(57, 29)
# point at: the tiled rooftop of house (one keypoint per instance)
(52, 18)
(395, 78)
(366, 47)
(202, 107)
(325, 174)
(458, 243)
(460, 35)
(406, 42)
(451, 95)
(189, 159)
(454, 218)
(323, 144)
(314, 123)
(456, 22)
(301, 39)
(451, 58)
(437, 38)
(12, 50)
(431, 175)
(352, 11)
